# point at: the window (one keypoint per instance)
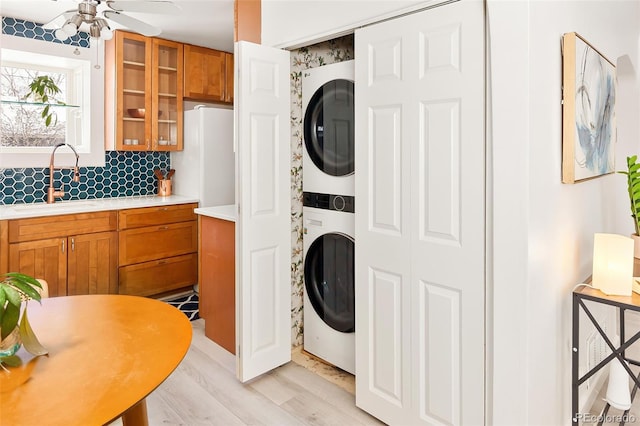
(21, 122)
(25, 140)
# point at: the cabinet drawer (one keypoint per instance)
(39, 228)
(155, 242)
(149, 216)
(159, 276)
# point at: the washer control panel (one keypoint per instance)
(341, 203)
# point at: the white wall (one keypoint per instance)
(291, 24)
(533, 282)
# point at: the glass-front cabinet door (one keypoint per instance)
(144, 93)
(133, 92)
(167, 95)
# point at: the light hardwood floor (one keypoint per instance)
(203, 390)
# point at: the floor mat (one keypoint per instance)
(187, 304)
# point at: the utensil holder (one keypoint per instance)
(164, 187)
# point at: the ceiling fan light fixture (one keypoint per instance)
(94, 31)
(97, 22)
(61, 34)
(71, 26)
(105, 31)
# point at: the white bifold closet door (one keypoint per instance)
(263, 193)
(420, 217)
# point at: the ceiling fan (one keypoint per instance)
(93, 16)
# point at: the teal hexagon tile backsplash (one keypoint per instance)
(125, 174)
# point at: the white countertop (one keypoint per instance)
(227, 212)
(21, 211)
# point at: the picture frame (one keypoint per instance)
(588, 111)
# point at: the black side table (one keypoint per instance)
(622, 303)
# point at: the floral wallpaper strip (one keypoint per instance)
(317, 55)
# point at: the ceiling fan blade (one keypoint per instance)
(160, 7)
(59, 20)
(132, 23)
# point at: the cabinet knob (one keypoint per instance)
(163, 228)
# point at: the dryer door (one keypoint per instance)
(329, 129)
(329, 282)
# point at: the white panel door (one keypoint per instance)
(263, 229)
(420, 217)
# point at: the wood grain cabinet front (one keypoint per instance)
(204, 73)
(150, 216)
(159, 276)
(4, 246)
(229, 78)
(217, 281)
(157, 249)
(75, 254)
(143, 94)
(157, 242)
(92, 264)
(45, 259)
(208, 74)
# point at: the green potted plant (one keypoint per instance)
(633, 188)
(15, 292)
(44, 89)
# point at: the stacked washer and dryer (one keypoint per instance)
(328, 213)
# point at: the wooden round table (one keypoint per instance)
(106, 354)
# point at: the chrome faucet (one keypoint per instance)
(52, 193)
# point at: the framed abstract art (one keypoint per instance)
(588, 111)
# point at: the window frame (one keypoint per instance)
(39, 157)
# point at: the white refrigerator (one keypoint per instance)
(206, 167)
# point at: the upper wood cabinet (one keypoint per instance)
(207, 74)
(143, 73)
(228, 97)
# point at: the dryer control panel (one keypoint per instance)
(342, 203)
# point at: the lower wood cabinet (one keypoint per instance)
(217, 281)
(157, 249)
(46, 259)
(71, 264)
(141, 251)
(92, 264)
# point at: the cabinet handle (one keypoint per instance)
(163, 209)
(148, 144)
(162, 262)
(63, 246)
(163, 228)
(73, 244)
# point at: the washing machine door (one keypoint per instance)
(329, 280)
(329, 128)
